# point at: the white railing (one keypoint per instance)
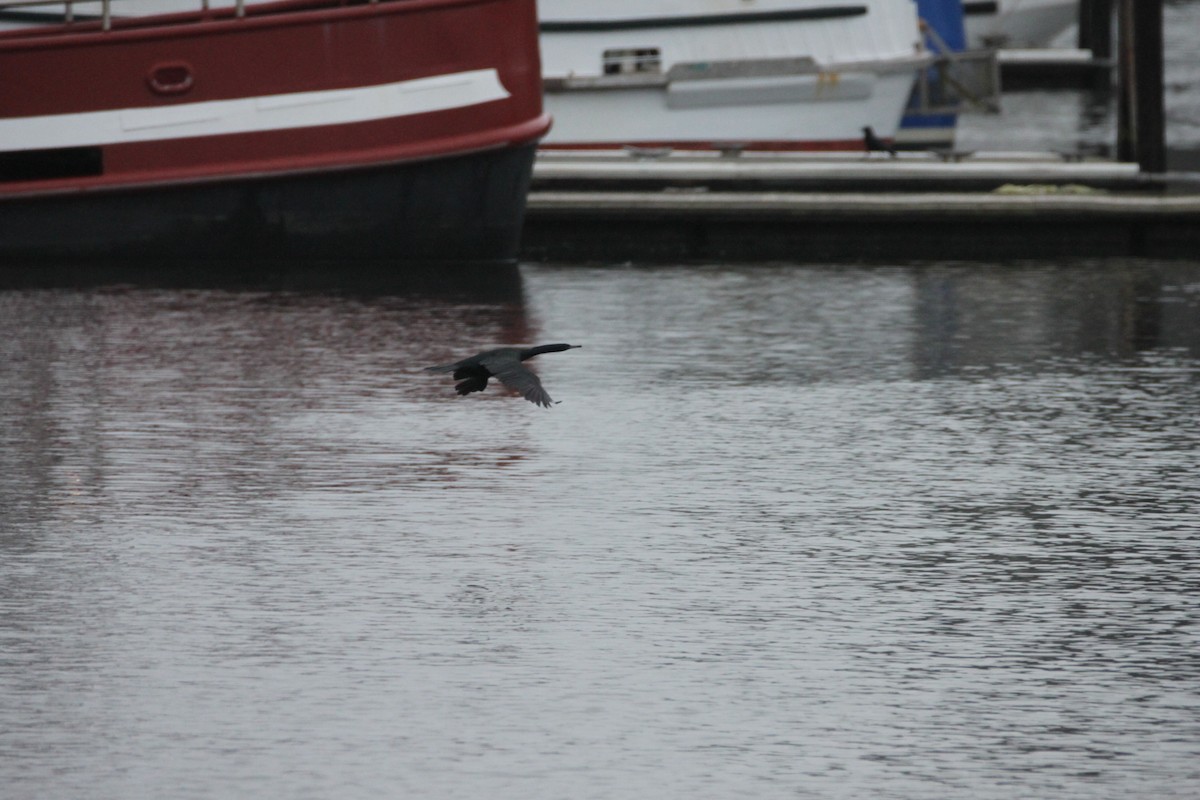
(106, 8)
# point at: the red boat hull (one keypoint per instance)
(400, 129)
(467, 208)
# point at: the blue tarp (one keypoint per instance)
(946, 18)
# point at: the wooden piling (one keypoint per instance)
(1095, 27)
(1141, 130)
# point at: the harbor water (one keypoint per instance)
(915, 532)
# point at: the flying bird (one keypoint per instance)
(504, 364)
(876, 145)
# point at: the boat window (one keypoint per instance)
(64, 162)
(633, 59)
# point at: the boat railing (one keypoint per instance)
(69, 15)
(25, 11)
(958, 80)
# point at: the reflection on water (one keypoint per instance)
(912, 532)
(1062, 120)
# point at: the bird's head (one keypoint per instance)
(547, 348)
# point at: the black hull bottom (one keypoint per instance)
(447, 210)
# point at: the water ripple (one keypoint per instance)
(912, 532)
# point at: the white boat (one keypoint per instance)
(717, 74)
(1017, 23)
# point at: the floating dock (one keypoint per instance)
(1054, 68)
(654, 206)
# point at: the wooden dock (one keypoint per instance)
(849, 207)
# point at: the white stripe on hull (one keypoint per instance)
(253, 114)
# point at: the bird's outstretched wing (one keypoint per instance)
(475, 383)
(444, 367)
(516, 376)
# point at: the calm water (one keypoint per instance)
(915, 532)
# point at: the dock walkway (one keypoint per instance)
(606, 206)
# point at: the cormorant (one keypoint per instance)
(504, 364)
(875, 144)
